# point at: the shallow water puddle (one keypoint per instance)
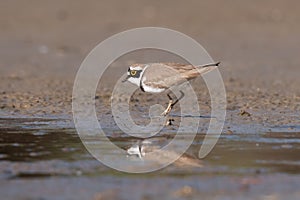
(47, 157)
(32, 147)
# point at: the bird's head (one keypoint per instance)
(134, 73)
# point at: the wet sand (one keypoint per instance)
(42, 45)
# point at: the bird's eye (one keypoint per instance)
(133, 72)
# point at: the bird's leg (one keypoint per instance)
(181, 96)
(169, 107)
(172, 103)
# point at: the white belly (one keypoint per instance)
(152, 89)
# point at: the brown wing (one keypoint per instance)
(165, 75)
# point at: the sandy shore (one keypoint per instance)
(42, 46)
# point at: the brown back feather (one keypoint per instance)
(165, 75)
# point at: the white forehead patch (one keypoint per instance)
(135, 68)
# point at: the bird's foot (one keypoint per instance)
(171, 104)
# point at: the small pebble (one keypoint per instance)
(244, 113)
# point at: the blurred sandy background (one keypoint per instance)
(52, 37)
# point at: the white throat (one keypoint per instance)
(135, 81)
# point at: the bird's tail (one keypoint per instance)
(203, 69)
(210, 65)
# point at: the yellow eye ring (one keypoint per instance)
(133, 72)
